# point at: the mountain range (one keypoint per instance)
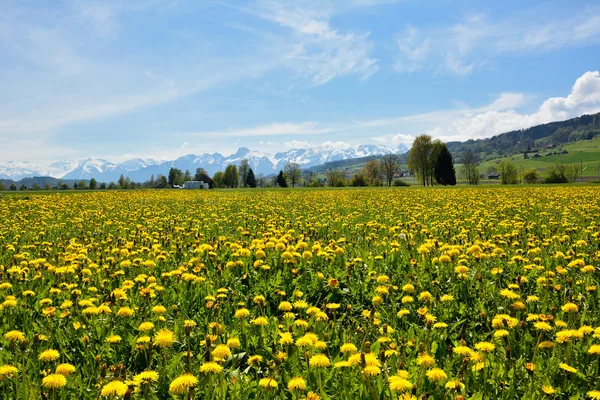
(139, 170)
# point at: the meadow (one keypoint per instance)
(462, 293)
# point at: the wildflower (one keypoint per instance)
(267, 383)
(570, 307)
(65, 369)
(221, 352)
(348, 348)
(567, 367)
(114, 388)
(260, 321)
(547, 389)
(49, 355)
(14, 336)
(455, 384)
(146, 326)
(145, 377)
(425, 360)
(594, 349)
(399, 384)
(242, 313)
(297, 383)
(113, 339)
(7, 371)
(182, 384)
(436, 374)
(164, 338)
(486, 347)
(319, 361)
(54, 381)
(210, 368)
(255, 360)
(371, 370)
(543, 326)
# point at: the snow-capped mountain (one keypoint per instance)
(138, 169)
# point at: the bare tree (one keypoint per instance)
(390, 164)
(469, 167)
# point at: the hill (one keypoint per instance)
(535, 138)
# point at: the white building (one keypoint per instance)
(196, 185)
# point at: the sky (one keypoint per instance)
(165, 78)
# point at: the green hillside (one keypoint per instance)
(585, 153)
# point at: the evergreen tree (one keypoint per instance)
(251, 179)
(444, 168)
(281, 179)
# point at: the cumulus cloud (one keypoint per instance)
(499, 116)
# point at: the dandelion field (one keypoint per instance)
(342, 294)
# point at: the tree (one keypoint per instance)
(103, 186)
(469, 168)
(23, 187)
(261, 181)
(560, 173)
(93, 184)
(47, 186)
(444, 168)
(231, 177)
(390, 164)
(531, 176)
(176, 176)
(13, 187)
(281, 181)
(2, 187)
(122, 182)
(359, 180)
(219, 179)
(35, 186)
(187, 176)
(508, 173)
(81, 185)
(251, 179)
(335, 178)
(200, 174)
(113, 186)
(372, 171)
(293, 173)
(244, 170)
(419, 158)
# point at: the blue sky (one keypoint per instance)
(164, 78)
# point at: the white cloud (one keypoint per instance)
(299, 144)
(473, 42)
(322, 53)
(273, 129)
(413, 48)
(497, 117)
(184, 145)
(394, 140)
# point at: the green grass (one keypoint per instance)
(584, 153)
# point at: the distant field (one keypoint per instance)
(587, 152)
